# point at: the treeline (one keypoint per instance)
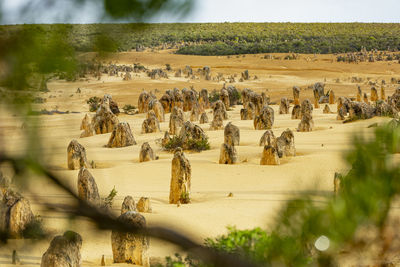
(229, 38)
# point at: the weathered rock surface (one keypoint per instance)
(284, 106)
(332, 98)
(191, 132)
(327, 109)
(143, 102)
(231, 135)
(265, 120)
(203, 118)
(64, 251)
(76, 155)
(204, 102)
(166, 102)
(121, 136)
(176, 120)
(158, 109)
(224, 97)
(144, 205)
(359, 94)
(306, 124)
(268, 138)
(195, 113)
(15, 213)
(146, 153)
(219, 108)
(296, 112)
(87, 187)
(269, 156)
(361, 111)
(104, 121)
(306, 107)
(285, 144)
(217, 123)
(296, 95)
(374, 94)
(151, 124)
(129, 247)
(181, 173)
(244, 114)
(189, 99)
(87, 127)
(128, 205)
(228, 154)
(318, 90)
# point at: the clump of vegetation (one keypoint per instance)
(185, 198)
(138, 67)
(213, 96)
(179, 261)
(108, 201)
(129, 109)
(190, 144)
(168, 67)
(34, 230)
(94, 103)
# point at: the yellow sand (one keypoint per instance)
(258, 191)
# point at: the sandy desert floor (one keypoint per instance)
(258, 191)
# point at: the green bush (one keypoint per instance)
(128, 108)
(214, 96)
(191, 144)
(94, 103)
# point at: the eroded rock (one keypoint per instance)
(203, 118)
(64, 251)
(285, 144)
(128, 205)
(228, 154)
(181, 172)
(296, 112)
(268, 138)
(151, 124)
(231, 135)
(265, 120)
(269, 156)
(146, 153)
(144, 205)
(87, 187)
(76, 156)
(121, 136)
(131, 247)
(176, 120)
(284, 106)
(104, 120)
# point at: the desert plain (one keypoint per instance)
(258, 192)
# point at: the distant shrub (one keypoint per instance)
(191, 144)
(128, 108)
(94, 103)
(214, 96)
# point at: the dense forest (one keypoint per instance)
(227, 38)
